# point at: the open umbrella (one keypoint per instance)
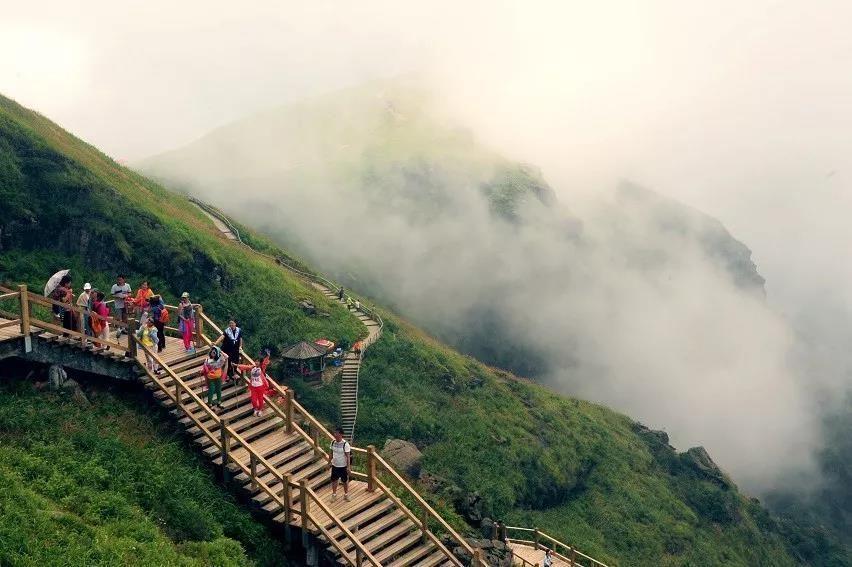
(54, 281)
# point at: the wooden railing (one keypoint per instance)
(318, 436)
(294, 498)
(31, 319)
(562, 551)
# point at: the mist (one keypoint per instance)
(739, 110)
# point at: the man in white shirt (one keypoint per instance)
(120, 291)
(548, 558)
(340, 459)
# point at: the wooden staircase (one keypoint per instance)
(279, 460)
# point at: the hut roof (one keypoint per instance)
(303, 351)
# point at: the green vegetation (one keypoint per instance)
(579, 471)
(72, 207)
(109, 485)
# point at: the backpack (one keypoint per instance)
(164, 315)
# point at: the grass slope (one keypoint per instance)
(580, 471)
(109, 485)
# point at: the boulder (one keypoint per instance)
(403, 455)
(56, 377)
(470, 507)
(80, 399)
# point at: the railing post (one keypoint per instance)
(306, 508)
(178, 394)
(495, 530)
(285, 495)
(477, 557)
(504, 532)
(226, 448)
(288, 408)
(25, 310)
(424, 524)
(359, 557)
(199, 326)
(371, 468)
(253, 465)
(535, 537)
(315, 438)
(131, 337)
(572, 556)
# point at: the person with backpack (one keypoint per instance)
(160, 315)
(147, 335)
(231, 341)
(186, 314)
(548, 558)
(214, 371)
(258, 383)
(340, 460)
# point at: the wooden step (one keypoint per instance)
(416, 554)
(369, 512)
(398, 547)
(385, 524)
(438, 557)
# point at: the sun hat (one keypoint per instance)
(87, 286)
(184, 294)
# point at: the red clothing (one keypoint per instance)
(258, 382)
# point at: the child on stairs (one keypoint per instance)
(258, 384)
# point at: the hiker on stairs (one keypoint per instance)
(258, 384)
(186, 313)
(231, 341)
(147, 335)
(340, 459)
(213, 371)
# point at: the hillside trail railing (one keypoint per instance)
(319, 279)
(32, 313)
(540, 540)
(370, 312)
(318, 436)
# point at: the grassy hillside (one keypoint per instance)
(109, 485)
(580, 471)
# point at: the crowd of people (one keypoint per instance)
(92, 318)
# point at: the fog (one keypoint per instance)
(737, 109)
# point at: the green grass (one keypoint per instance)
(110, 485)
(579, 471)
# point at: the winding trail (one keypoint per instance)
(352, 362)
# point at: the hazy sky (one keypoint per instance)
(738, 108)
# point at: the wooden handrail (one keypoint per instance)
(413, 517)
(573, 553)
(341, 525)
(423, 504)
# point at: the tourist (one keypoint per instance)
(186, 313)
(147, 335)
(120, 292)
(341, 293)
(84, 302)
(160, 315)
(213, 371)
(231, 341)
(548, 558)
(143, 295)
(64, 294)
(258, 383)
(357, 305)
(340, 461)
(100, 317)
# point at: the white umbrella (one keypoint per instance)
(54, 281)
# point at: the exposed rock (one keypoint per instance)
(70, 385)
(471, 508)
(494, 552)
(80, 399)
(403, 455)
(56, 377)
(700, 461)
